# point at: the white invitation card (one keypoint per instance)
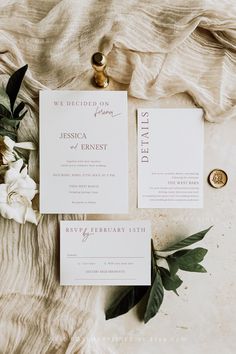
(105, 253)
(83, 152)
(170, 158)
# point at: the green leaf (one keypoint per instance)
(198, 268)
(191, 257)
(155, 299)
(4, 99)
(18, 109)
(11, 134)
(131, 296)
(153, 261)
(23, 114)
(180, 253)
(14, 84)
(127, 300)
(187, 241)
(170, 282)
(173, 265)
(4, 112)
(9, 123)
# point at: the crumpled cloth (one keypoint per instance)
(155, 48)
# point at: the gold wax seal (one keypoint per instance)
(99, 62)
(217, 178)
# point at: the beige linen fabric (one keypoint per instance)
(155, 48)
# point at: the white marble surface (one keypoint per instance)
(202, 318)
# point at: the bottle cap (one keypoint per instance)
(98, 60)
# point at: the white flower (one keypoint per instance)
(7, 153)
(16, 194)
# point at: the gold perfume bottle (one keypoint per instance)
(99, 62)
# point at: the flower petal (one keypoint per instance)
(16, 194)
(14, 171)
(24, 172)
(17, 165)
(8, 156)
(25, 187)
(19, 212)
(6, 211)
(9, 142)
(31, 216)
(11, 212)
(11, 175)
(3, 193)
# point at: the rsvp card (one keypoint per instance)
(83, 152)
(105, 253)
(170, 158)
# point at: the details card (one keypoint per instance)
(105, 253)
(83, 152)
(170, 158)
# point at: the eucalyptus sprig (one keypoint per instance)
(10, 114)
(161, 278)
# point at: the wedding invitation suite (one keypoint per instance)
(170, 158)
(83, 152)
(105, 253)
